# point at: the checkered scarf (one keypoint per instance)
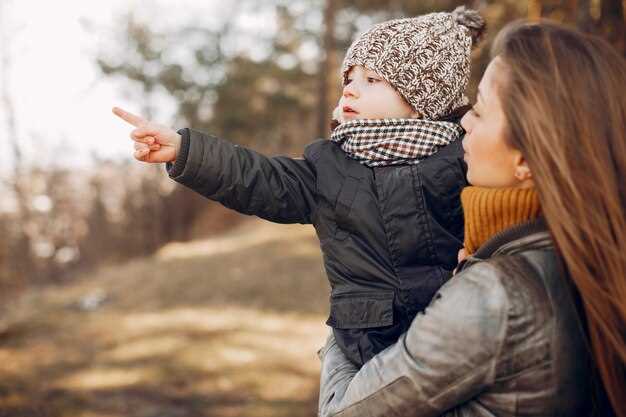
(381, 142)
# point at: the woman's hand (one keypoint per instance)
(461, 255)
(154, 143)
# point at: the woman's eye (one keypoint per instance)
(372, 80)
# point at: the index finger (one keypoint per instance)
(133, 119)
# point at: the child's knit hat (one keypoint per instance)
(425, 58)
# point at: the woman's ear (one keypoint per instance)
(522, 171)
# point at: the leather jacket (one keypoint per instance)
(503, 337)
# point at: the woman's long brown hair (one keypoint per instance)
(564, 97)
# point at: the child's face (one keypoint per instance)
(368, 96)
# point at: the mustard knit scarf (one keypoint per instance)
(489, 211)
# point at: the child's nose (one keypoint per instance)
(349, 90)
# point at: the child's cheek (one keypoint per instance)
(338, 114)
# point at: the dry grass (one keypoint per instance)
(220, 327)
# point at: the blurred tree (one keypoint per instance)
(102, 239)
(266, 106)
(612, 23)
(327, 69)
(144, 60)
(148, 62)
(534, 9)
(6, 278)
(19, 249)
(601, 17)
(58, 195)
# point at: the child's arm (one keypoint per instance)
(279, 189)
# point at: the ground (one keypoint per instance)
(227, 326)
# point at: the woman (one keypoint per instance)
(534, 322)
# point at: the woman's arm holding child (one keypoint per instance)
(448, 355)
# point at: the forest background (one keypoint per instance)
(273, 92)
(106, 219)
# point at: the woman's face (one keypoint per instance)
(491, 161)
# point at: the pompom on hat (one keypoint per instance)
(425, 58)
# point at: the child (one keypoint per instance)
(383, 193)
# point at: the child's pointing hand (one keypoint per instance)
(153, 142)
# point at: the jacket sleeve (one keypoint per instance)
(447, 356)
(279, 189)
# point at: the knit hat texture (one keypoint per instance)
(426, 58)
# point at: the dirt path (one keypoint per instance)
(222, 327)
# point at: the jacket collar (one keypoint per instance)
(533, 234)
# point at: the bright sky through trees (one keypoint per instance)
(62, 103)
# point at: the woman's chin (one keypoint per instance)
(470, 179)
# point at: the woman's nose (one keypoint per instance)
(465, 122)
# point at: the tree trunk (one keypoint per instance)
(20, 245)
(326, 70)
(612, 23)
(534, 9)
(584, 21)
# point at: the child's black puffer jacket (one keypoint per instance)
(389, 235)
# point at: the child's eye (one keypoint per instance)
(348, 81)
(372, 80)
